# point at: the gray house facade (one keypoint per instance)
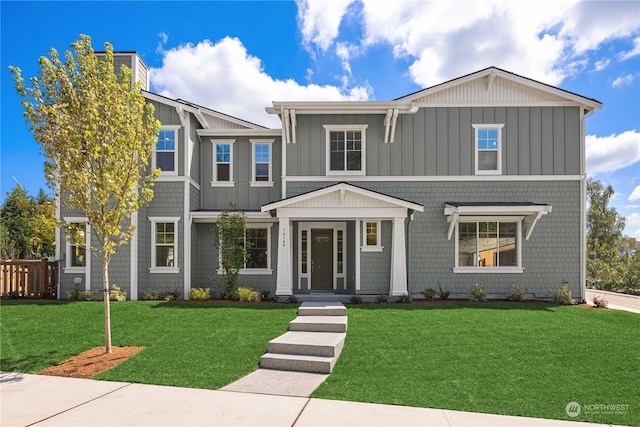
(477, 180)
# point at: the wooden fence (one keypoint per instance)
(29, 278)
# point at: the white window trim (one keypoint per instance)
(477, 127)
(335, 226)
(330, 128)
(269, 182)
(214, 181)
(253, 271)
(519, 241)
(371, 248)
(174, 172)
(87, 238)
(154, 220)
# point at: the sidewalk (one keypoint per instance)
(616, 301)
(40, 400)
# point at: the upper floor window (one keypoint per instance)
(164, 245)
(488, 149)
(261, 164)
(166, 154)
(222, 162)
(346, 149)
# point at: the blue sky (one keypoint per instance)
(237, 57)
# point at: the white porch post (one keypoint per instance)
(284, 283)
(398, 259)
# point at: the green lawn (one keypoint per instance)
(188, 344)
(528, 359)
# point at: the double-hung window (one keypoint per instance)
(76, 246)
(489, 244)
(261, 165)
(345, 149)
(371, 239)
(488, 149)
(164, 244)
(258, 240)
(222, 162)
(166, 154)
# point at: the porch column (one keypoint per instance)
(284, 282)
(398, 259)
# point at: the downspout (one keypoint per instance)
(407, 247)
(583, 205)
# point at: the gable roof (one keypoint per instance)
(343, 195)
(498, 87)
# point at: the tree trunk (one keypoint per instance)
(107, 310)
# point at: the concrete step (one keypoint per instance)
(325, 344)
(319, 324)
(319, 308)
(298, 363)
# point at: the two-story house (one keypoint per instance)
(480, 179)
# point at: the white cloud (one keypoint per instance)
(633, 52)
(601, 65)
(225, 77)
(545, 40)
(610, 153)
(319, 21)
(635, 194)
(623, 80)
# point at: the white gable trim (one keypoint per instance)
(342, 200)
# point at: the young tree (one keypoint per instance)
(604, 231)
(43, 224)
(97, 133)
(233, 247)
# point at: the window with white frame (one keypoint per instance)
(261, 165)
(259, 241)
(371, 236)
(76, 245)
(222, 162)
(488, 244)
(345, 149)
(164, 244)
(488, 149)
(166, 154)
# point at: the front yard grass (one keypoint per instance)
(527, 359)
(188, 344)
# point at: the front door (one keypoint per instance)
(322, 259)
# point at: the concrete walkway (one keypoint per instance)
(39, 400)
(616, 301)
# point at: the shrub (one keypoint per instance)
(248, 295)
(428, 293)
(404, 299)
(516, 294)
(291, 299)
(442, 294)
(199, 294)
(600, 302)
(268, 296)
(79, 295)
(563, 295)
(356, 299)
(175, 294)
(478, 293)
(381, 299)
(115, 294)
(153, 294)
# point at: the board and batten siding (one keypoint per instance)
(242, 194)
(439, 141)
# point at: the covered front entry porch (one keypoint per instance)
(325, 236)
